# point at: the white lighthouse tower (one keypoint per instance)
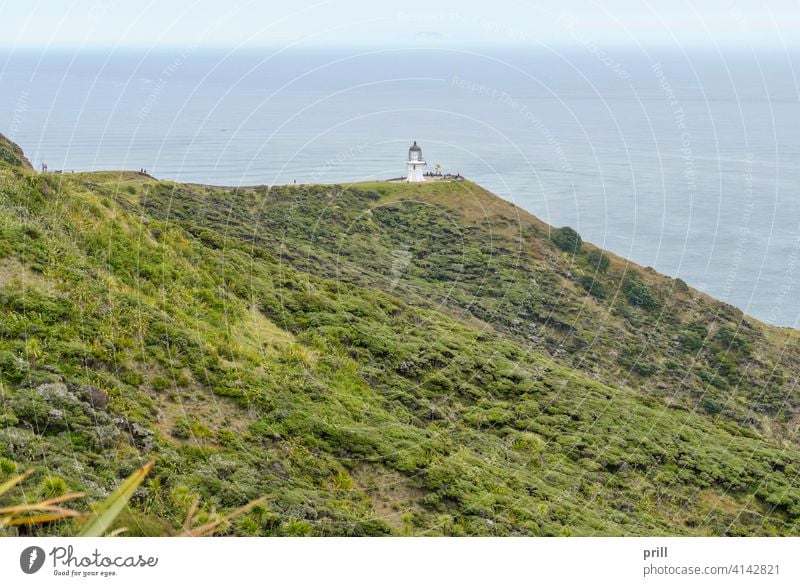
(415, 164)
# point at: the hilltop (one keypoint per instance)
(380, 358)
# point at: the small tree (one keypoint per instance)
(567, 239)
(636, 291)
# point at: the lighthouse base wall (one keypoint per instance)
(414, 173)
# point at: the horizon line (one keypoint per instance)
(527, 44)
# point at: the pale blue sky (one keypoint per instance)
(375, 22)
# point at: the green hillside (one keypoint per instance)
(378, 359)
(11, 155)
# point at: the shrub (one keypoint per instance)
(226, 437)
(342, 481)
(597, 260)
(8, 156)
(160, 383)
(691, 340)
(294, 528)
(643, 367)
(132, 378)
(593, 287)
(712, 405)
(709, 378)
(372, 528)
(182, 429)
(12, 368)
(567, 239)
(53, 486)
(729, 338)
(637, 292)
(7, 467)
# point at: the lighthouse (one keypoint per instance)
(415, 164)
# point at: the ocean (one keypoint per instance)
(686, 160)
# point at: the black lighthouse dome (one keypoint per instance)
(415, 153)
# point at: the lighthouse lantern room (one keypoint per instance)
(415, 165)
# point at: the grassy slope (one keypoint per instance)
(11, 155)
(382, 358)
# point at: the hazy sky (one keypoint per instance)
(230, 22)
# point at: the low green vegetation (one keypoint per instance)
(375, 359)
(567, 239)
(593, 286)
(637, 292)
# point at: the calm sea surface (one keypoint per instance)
(685, 161)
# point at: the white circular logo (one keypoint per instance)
(31, 559)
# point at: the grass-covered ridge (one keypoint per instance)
(379, 359)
